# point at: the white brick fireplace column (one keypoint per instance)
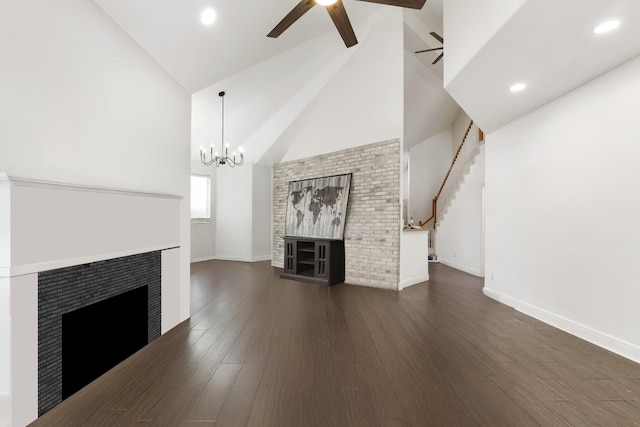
(46, 226)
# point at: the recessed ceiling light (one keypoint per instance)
(518, 87)
(208, 16)
(326, 2)
(606, 27)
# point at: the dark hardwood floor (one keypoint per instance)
(264, 351)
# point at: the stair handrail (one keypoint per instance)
(434, 202)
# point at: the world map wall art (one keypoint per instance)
(318, 207)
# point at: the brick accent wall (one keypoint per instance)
(373, 223)
(67, 289)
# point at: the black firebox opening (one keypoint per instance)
(97, 337)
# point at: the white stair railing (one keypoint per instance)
(462, 161)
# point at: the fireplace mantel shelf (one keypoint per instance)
(21, 270)
(27, 182)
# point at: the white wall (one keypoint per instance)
(261, 209)
(5, 225)
(430, 161)
(562, 209)
(243, 218)
(459, 239)
(405, 187)
(468, 25)
(263, 100)
(203, 234)
(428, 108)
(240, 227)
(5, 339)
(315, 107)
(83, 103)
(24, 348)
(414, 253)
(234, 213)
(364, 101)
(458, 129)
(260, 104)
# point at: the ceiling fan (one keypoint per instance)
(441, 40)
(338, 15)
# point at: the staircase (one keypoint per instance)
(467, 154)
(462, 161)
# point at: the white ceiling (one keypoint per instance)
(547, 43)
(198, 56)
(550, 45)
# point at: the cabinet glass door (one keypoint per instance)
(322, 257)
(290, 256)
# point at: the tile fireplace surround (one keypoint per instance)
(70, 290)
(47, 227)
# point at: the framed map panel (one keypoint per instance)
(318, 207)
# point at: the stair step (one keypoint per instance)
(456, 178)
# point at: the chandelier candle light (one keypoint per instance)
(222, 159)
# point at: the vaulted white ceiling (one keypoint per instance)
(198, 56)
(547, 43)
(204, 57)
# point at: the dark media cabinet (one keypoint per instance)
(314, 260)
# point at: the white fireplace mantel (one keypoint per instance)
(49, 225)
(46, 225)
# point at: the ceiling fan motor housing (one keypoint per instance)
(338, 15)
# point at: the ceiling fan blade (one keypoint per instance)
(429, 50)
(437, 59)
(341, 20)
(411, 4)
(437, 36)
(295, 14)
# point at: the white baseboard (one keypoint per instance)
(202, 259)
(616, 345)
(413, 281)
(461, 267)
(233, 258)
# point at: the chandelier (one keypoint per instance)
(222, 158)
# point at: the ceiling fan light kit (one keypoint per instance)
(338, 15)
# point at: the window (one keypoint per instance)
(200, 198)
